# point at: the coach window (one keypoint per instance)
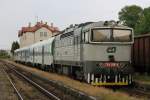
(75, 40)
(78, 40)
(25, 37)
(58, 44)
(62, 43)
(83, 37)
(70, 41)
(86, 37)
(66, 41)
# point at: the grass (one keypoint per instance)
(142, 78)
(4, 57)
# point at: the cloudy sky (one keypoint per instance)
(17, 13)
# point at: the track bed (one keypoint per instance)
(98, 93)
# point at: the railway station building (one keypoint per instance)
(39, 32)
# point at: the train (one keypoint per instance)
(140, 53)
(98, 53)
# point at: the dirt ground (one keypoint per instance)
(98, 92)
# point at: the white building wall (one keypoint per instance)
(21, 41)
(40, 34)
(26, 39)
(30, 38)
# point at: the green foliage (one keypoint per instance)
(130, 15)
(136, 18)
(142, 77)
(4, 54)
(143, 25)
(15, 45)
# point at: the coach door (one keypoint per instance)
(33, 56)
(25, 55)
(42, 55)
(76, 48)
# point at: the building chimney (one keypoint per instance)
(41, 22)
(38, 24)
(46, 23)
(29, 25)
(51, 24)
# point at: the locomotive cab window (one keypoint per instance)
(121, 35)
(85, 37)
(100, 35)
(111, 35)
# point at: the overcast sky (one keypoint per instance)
(17, 13)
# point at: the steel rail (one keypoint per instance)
(13, 85)
(36, 85)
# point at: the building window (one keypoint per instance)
(25, 37)
(45, 34)
(41, 34)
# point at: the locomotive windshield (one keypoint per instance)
(100, 35)
(111, 35)
(122, 35)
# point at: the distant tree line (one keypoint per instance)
(136, 17)
(4, 54)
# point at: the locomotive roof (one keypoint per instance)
(50, 40)
(88, 25)
(20, 49)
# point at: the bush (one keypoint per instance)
(4, 54)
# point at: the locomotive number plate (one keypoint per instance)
(111, 50)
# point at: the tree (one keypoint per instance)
(15, 45)
(130, 15)
(143, 25)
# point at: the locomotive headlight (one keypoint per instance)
(109, 64)
(100, 64)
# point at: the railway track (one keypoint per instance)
(53, 90)
(141, 92)
(28, 89)
(13, 85)
(136, 91)
(7, 89)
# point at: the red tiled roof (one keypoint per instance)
(36, 27)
